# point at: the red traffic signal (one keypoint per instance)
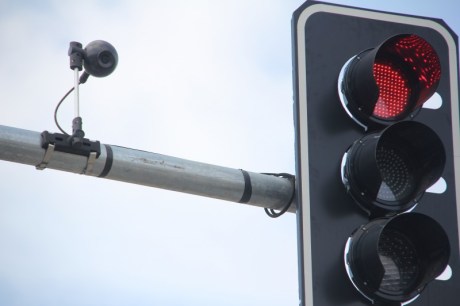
(390, 82)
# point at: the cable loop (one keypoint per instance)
(270, 211)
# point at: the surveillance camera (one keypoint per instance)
(101, 58)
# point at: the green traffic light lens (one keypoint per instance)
(393, 259)
(399, 259)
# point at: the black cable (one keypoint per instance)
(270, 211)
(83, 79)
(57, 108)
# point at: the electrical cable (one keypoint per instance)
(57, 108)
(270, 211)
(83, 79)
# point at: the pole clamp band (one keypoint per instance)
(46, 158)
(247, 193)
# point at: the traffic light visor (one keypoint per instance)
(388, 172)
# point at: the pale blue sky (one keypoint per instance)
(203, 80)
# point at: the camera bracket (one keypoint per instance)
(65, 143)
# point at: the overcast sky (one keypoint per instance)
(203, 80)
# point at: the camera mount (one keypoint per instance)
(99, 58)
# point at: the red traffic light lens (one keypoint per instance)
(390, 82)
(387, 172)
(394, 91)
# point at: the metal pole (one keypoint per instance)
(76, 93)
(154, 170)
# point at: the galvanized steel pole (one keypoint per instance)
(152, 169)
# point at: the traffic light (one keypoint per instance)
(390, 82)
(377, 157)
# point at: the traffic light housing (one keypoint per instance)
(377, 157)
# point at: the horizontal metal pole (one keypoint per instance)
(154, 170)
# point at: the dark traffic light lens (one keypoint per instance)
(399, 260)
(387, 172)
(393, 259)
(390, 82)
(397, 174)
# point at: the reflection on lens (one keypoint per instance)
(398, 181)
(399, 260)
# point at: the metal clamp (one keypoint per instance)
(90, 163)
(46, 158)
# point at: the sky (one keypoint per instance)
(208, 81)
